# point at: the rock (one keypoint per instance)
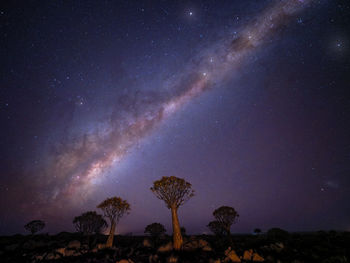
(165, 248)
(207, 248)
(69, 252)
(51, 256)
(248, 254)
(39, 257)
(61, 251)
(202, 243)
(172, 259)
(12, 247)
(191, 245)
(153, 258)
(75, 244)
(257, 258)
(101, 246)
(146, 243)
(214, 260)
(231, 255)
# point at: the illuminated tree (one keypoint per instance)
(34, 226)
(227, 216)
(217, 228)
(155, 230)
(174, 192)
(89, 223)
(113, 208)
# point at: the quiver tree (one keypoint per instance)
(35, 226)
(257, 231)
(217, 228)
(113, 208)
(90, 223)
(227, 216)
(174, 192)
(155, 230)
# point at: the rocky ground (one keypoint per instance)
(67, 247)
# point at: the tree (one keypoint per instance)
(183, 231)
(89, 223)
(35, 226)
(217, 228)
(155, 230)
(174, 192)
(257, 231)
(227, 216)
(113, 208)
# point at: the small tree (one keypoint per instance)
(89, 223)
(155, 230)
(227, 216)
(217, 228)
(113, 208)
(35, 226)
(183, 231)
(174, 192)
(257, 231)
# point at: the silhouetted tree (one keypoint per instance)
(155, 230)
(89, 223)
(174, 192)
(257, 231)
(35, 226)
(183, 231)
(227, 216)
(217, 228)
(113, 208)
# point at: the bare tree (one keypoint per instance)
(174, 192)
(227, 216)
(35, 226)
(113, 208)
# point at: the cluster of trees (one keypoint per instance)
(172, 190)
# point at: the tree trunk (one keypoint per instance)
(111, 235)
(177, 237)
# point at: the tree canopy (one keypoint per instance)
(155, 229)
(173, 191)
(89, 223)
(227, 216)
(114, 208)
(35, 226)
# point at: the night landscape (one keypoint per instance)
(175, 131)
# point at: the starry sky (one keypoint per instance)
(246, 100)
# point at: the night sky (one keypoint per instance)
(246, 100)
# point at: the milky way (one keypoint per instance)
(78, 164)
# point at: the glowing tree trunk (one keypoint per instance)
(177, 237)
(111, 235)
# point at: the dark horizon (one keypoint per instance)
(246, 100)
